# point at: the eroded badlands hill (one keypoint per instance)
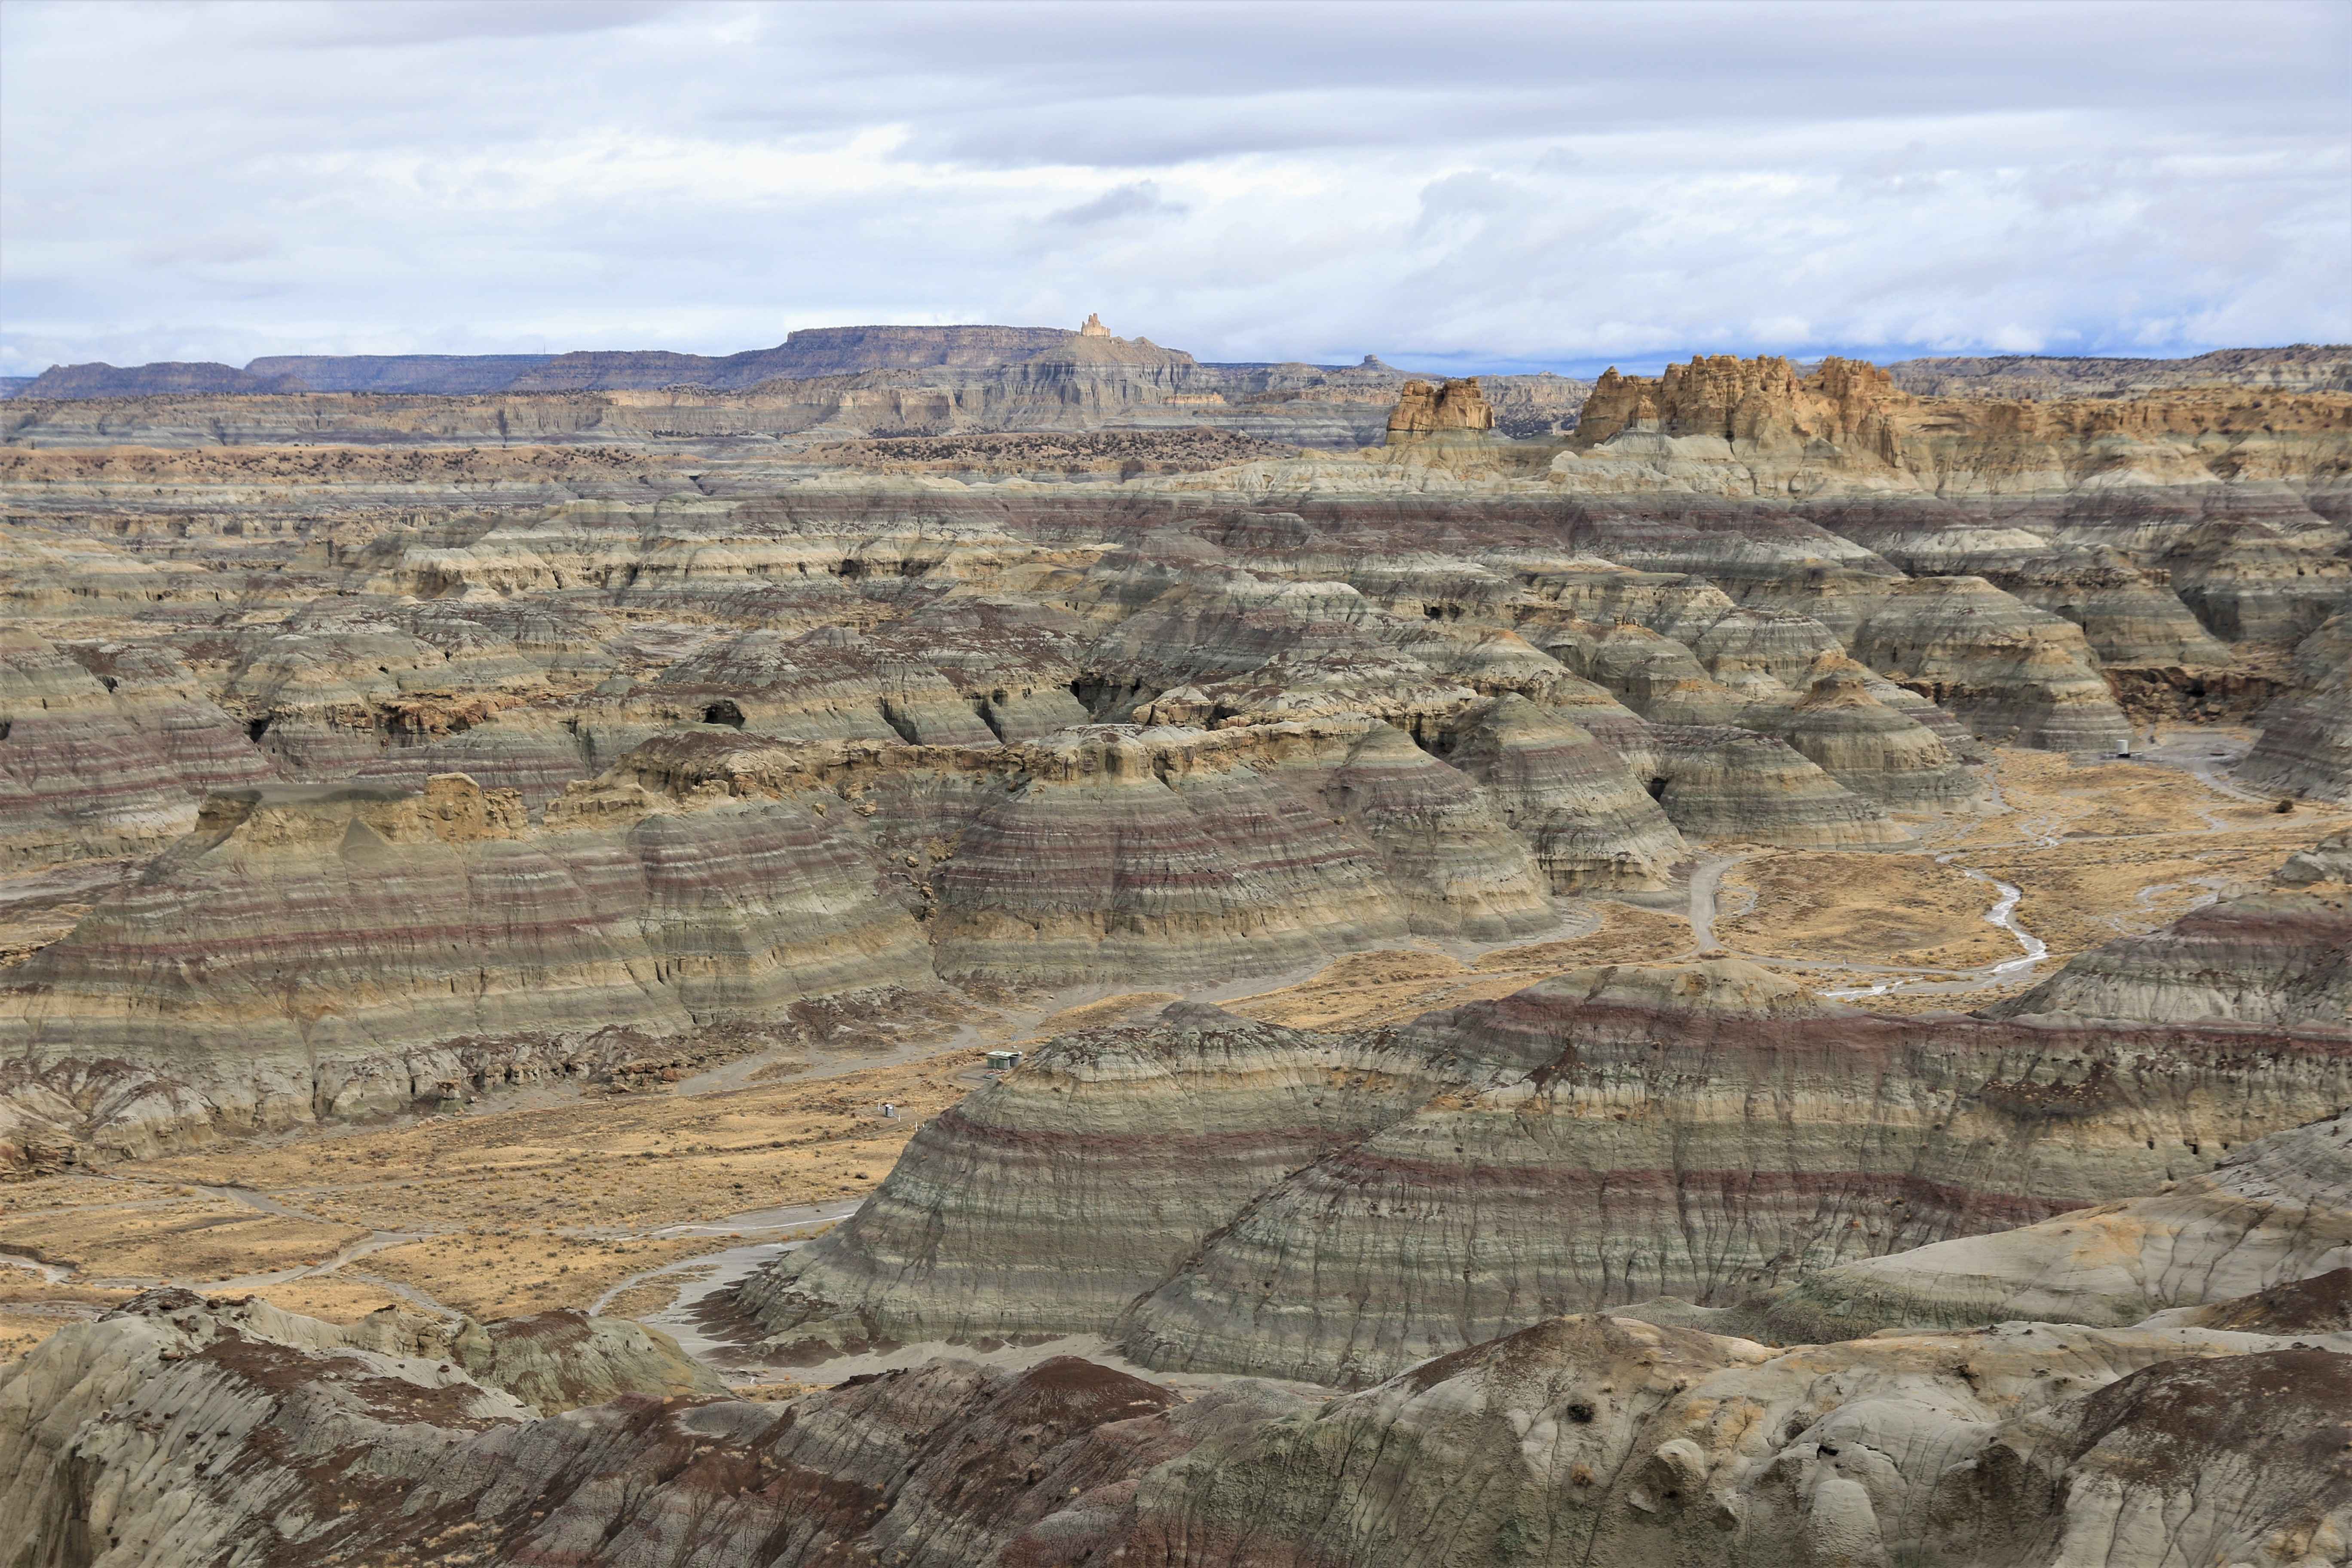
(717, 738)
(1698, 844)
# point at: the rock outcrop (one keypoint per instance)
(1760, 401)
(1592, 1440)
(1425, 410)
(176, 1433)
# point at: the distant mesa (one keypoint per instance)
(2298, 367)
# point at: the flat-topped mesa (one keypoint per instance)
(1757, 402)
(1426, 410)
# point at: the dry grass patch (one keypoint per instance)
(1866, 908)
(1395, 985)
(626, 1162)
(646, 1300)
(1628, 934)
(2051, 796)
(191, 1240)
(493, 1276)
(2078, 896)
(1095, 1014)
(333, 1297)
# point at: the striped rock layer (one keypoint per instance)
(1601, 1138)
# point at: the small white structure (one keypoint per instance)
(1004, 1061)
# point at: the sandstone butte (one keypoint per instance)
(379, 737)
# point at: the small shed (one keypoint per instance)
(1004, 1061)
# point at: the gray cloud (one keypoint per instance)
(1136, 198)
(1499, 183)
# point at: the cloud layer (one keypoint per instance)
(1499, 186)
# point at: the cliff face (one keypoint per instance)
(1733, 426)
(2305, 746)
(1424, 410)
(1760, 402)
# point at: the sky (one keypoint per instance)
(1447, 185)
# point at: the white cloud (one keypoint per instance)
(1500, 185)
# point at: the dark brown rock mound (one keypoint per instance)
(2321, 1304)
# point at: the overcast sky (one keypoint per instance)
(1443, 184)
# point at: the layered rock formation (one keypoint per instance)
(1845, 728)
(2277, 958)
(2305, 746)
(2017, 675)
(1591, 820)
(2266, 1216)
(608, 721)
(372, 930)
(1601, 1138)
(396, 947)
(105, 751)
